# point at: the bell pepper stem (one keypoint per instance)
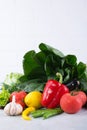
(59, 77)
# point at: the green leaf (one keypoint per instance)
(48, 65)
(48, 49)
(32, 66)
(29, 62)
(81, 68)
(31, 85)
(71, 60)
(4, 97)
(67, 75)
(10, 88)
(82, 76)
(11, 81)
(69, 66)
(41, 57)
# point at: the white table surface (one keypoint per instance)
(63, 121)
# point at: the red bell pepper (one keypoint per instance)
(52, 93)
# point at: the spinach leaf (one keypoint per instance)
(66, 76)
(32, 65)
(48, 49)
(31, 85)
(71, 60)
(52, 65)
(81, 69)
(10, 88)
(82, 76)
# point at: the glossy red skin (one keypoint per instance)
(52, 93)
(19, 97)
(72, 103)
(81, 95)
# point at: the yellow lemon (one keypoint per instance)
(33, 99)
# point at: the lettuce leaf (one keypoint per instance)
(4, 97)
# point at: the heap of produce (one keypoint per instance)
(51, 83)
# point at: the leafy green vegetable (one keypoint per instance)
(4, 97)
(82, 76)
(11, 81)
(48, 50)
(32, 65)
(31, 85)
(40, 66)
(12, 78)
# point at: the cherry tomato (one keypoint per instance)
(72, 102)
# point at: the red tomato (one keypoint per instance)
(72, 102)
(81, 95)
(19, 97)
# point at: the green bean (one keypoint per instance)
(46, 113)
(52, 112)
(39, 113)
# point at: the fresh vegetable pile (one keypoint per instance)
(52, 83)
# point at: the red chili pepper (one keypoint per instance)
(52, 93)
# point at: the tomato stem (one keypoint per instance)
(73, 93)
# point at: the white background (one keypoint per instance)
(26, 23)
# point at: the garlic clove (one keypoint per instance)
(7, 109)
(19, 109)
(13, 109)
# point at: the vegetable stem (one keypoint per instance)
(59, 77)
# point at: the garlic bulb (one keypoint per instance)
(13, 108)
